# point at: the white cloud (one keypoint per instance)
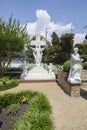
(79, 38)
(31, 28)
(43, 21)
(60, 28)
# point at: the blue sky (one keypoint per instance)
(58, 14)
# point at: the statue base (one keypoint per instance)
(39, 73)
(74, 81)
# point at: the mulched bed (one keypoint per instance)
(6, 121)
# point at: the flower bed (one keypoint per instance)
(6, 83)
(35, 116)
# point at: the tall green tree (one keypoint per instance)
(83, 50)
(55, 39)
(61, 49)
(13, 36)
(67, 41)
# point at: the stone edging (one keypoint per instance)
(37, 81)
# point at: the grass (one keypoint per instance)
(13, 109)
(6, 83)
(37, 115)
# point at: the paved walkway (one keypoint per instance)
(68, 113)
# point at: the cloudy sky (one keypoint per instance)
(61, 16)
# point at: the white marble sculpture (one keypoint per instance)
(24, 70)
(24, 65)
(38, 50)
(75, 68)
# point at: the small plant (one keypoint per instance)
(85, 65)
(30, 68)
(6, 78)
(5, 83)
(55, 71)
(13, 109)
(66, 66)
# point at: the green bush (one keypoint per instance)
(66, 66)
(84, 57)
(10, 98)
(6, 83)
(55, 71)
(30, 68)
(85, 65)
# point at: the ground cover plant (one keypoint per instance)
(6, 83)
(36, 113)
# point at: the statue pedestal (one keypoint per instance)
(39, 73)
(71, 89)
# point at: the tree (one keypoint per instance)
(13, 36)
(55, 39)
(45, 57)
(29, 54)
(67, 45)
(52, 54)
(61, 49)
(86, 37)
(83, 50)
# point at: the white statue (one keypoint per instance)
(75, 68)
(50, 68)
(38, 50)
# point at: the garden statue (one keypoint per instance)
(75, 68)
(37, 52)
(38, 49)
(24, 70)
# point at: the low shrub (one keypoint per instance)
(84, 57)
(66, 66)
(85, 65)
(55, 71)
(6, 83)
(30, 68)
(10, 98)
